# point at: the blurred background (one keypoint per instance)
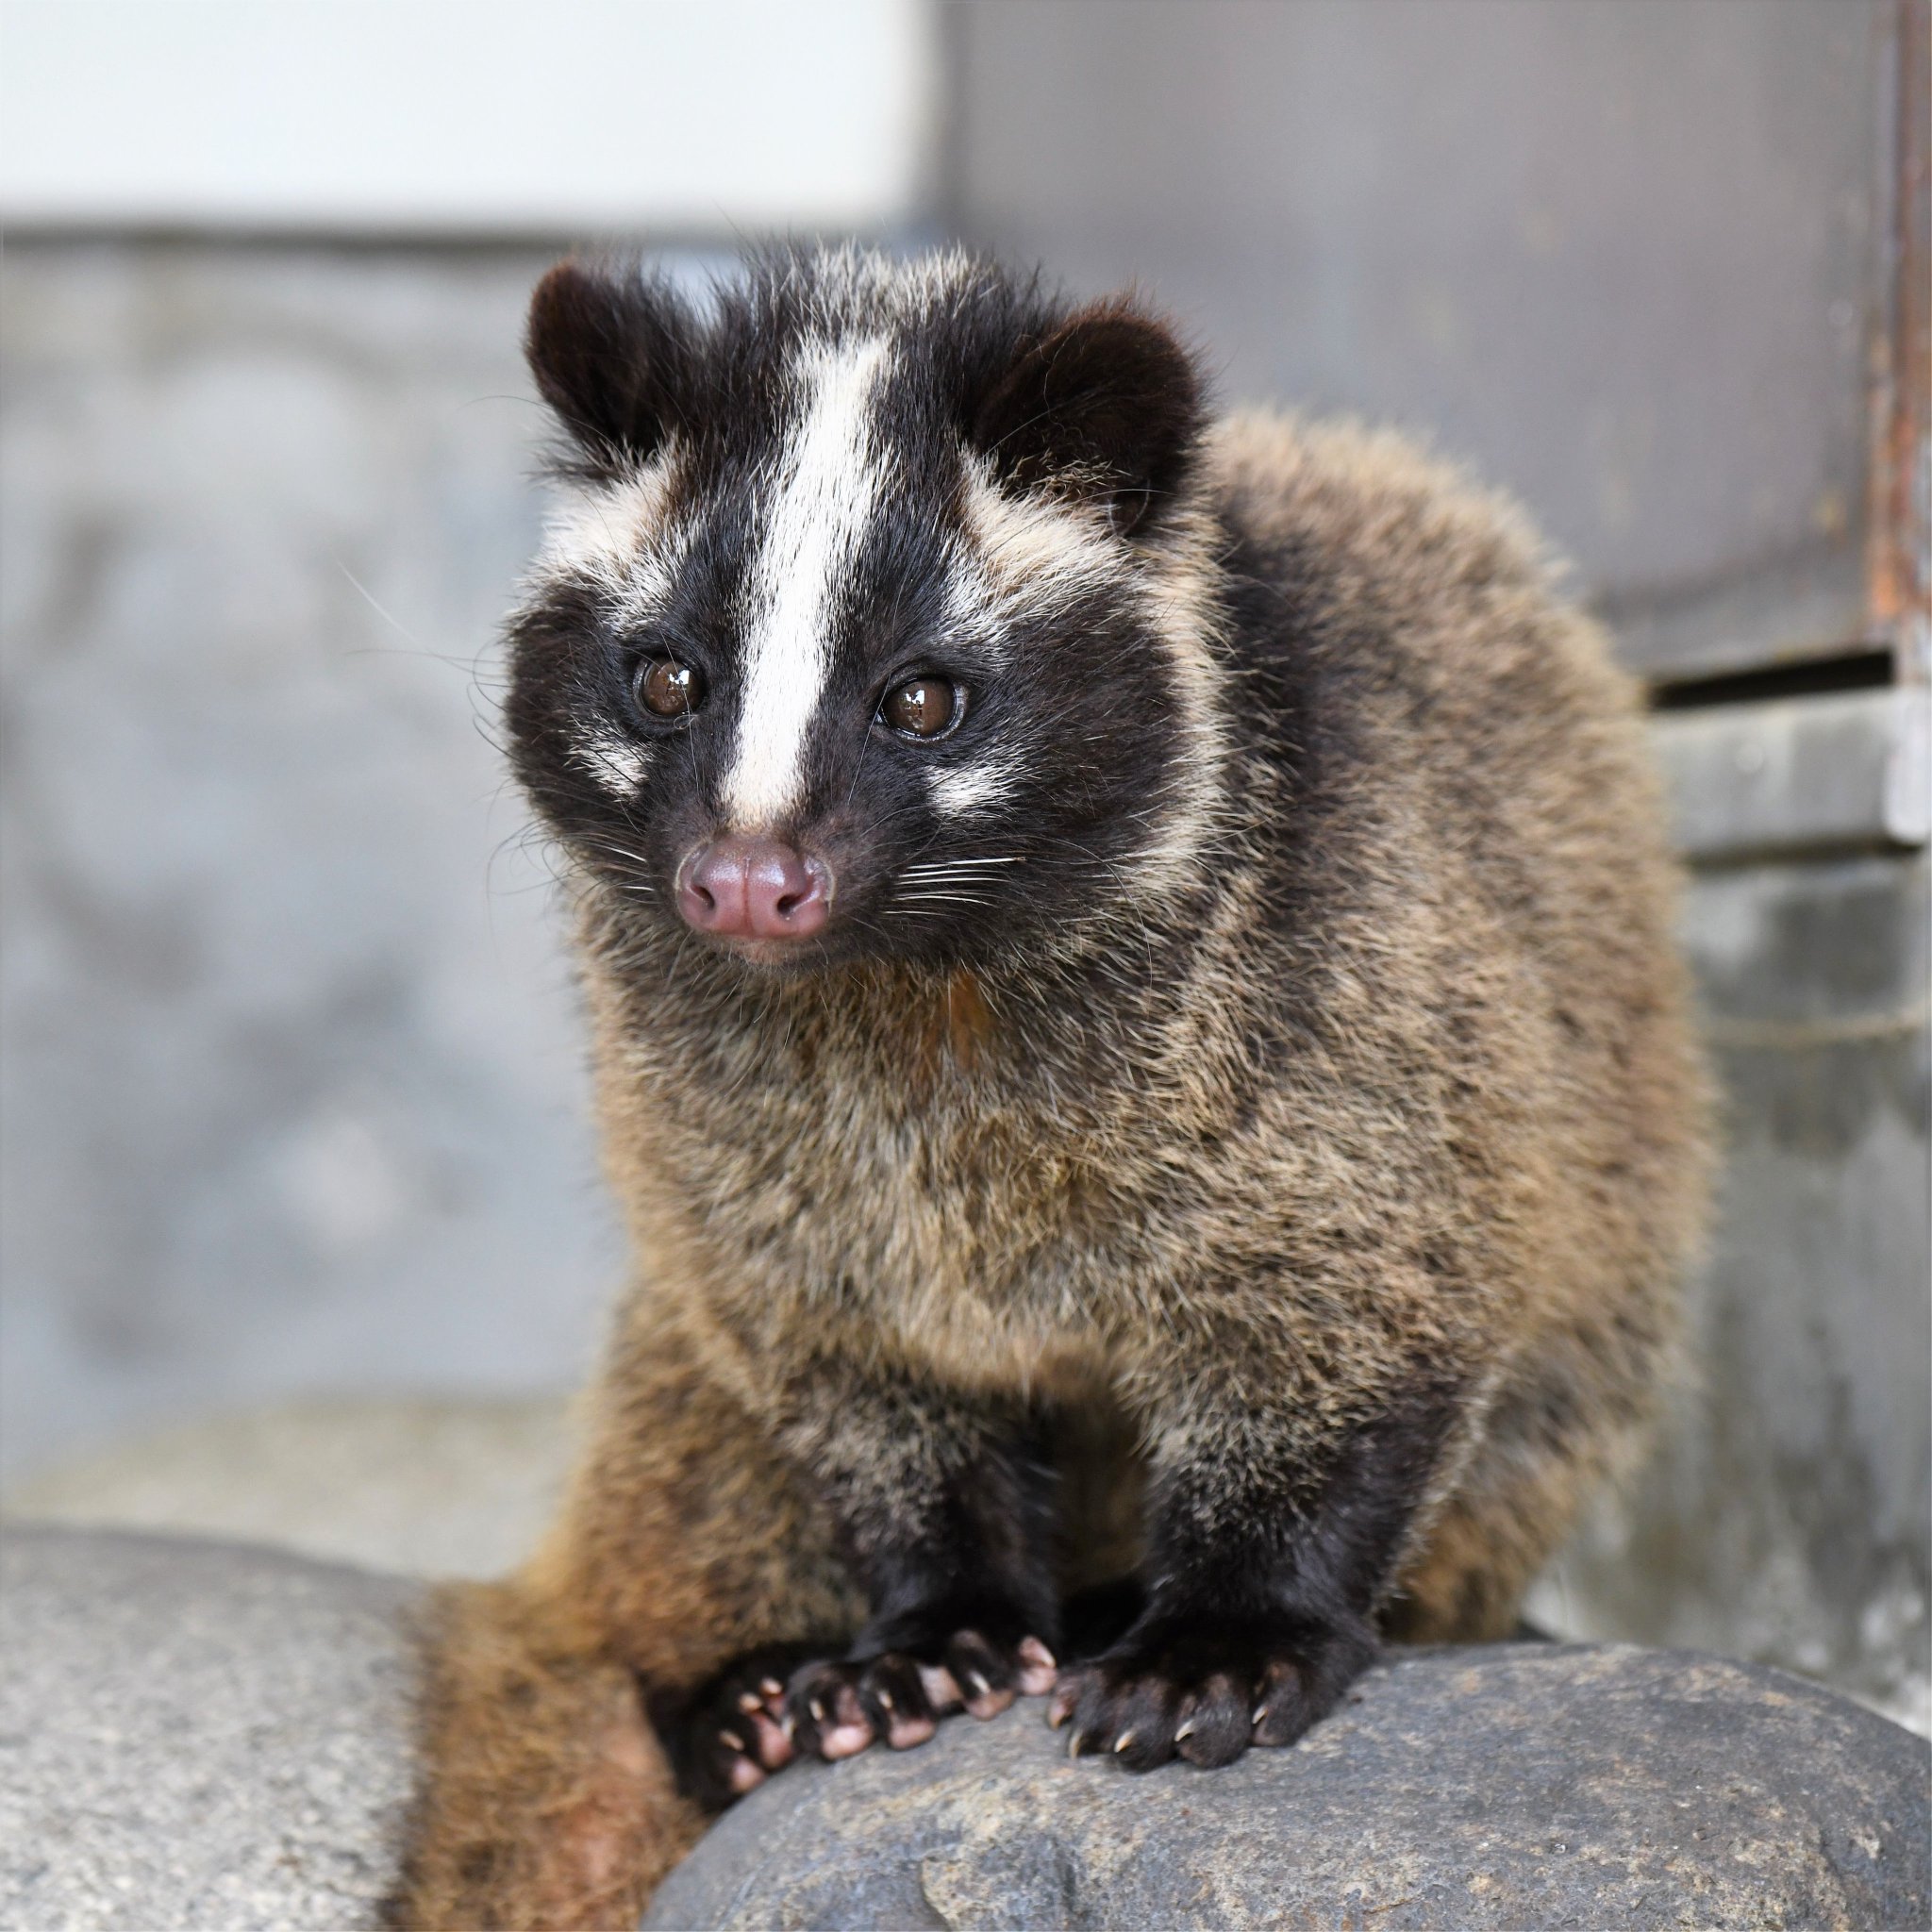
(302, 1232)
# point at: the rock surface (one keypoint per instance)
(199, 1737)
(1523, 1786)
(196, 1737)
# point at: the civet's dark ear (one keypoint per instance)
(606, 352)
(1108, 404)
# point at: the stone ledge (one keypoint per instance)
(211, 1738)
(1519, 1786)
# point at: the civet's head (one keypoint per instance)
(874, 620)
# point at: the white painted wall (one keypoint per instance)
(478, 116)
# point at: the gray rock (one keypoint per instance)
(196, 1737)
(1518, 1785)
(211, 1738)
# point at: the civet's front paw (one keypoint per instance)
(1205, 1687)
(902, 1677)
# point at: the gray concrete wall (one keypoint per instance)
(1784, 1516)
(293, 1087)
(1617, 253)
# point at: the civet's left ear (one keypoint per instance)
(1108, 404)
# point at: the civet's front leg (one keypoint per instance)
(947, 1506)
(1267, 1556)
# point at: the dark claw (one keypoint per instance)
(1204, 1688)
(988, 1677)
(828, 1719)
(1285, 1709)
(895, 1703)
(733, 1735)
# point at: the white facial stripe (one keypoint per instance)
(973, 603)
(967, 788)
(616, 764)
(1039, 557)
(828, 491)
(617, 535)
(610, 530)
(1035, 554)
(1182, 603)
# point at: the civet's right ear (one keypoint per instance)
(606, 351)
(1108, 404)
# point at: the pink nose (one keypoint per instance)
(754, 889)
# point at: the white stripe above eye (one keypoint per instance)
(827, 487)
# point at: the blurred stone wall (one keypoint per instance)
(1784, 1516)
(294, 1094)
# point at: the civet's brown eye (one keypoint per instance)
(923, 707)
(667, 689)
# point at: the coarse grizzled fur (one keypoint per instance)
(1228, 1158)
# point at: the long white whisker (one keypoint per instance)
(959, 864)
(621, 852)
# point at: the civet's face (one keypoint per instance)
(864, 629)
